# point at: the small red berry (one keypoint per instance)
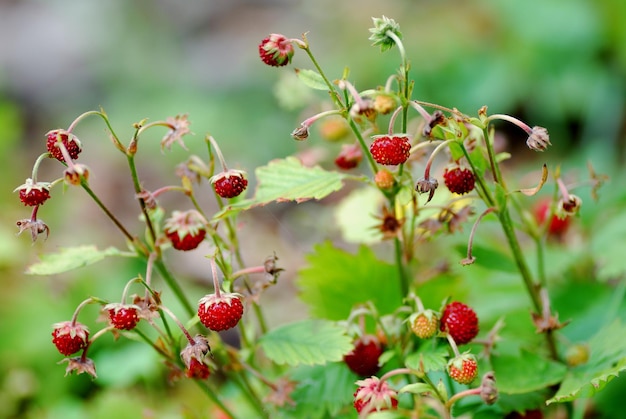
(463, 369)
(220, 313)
(390, 150)
(558, 226)
(229, 184)
(185, 230)
(69, 140)
(198, 370)
(424, 324)
(460, 322)
(363, 359)
(70, 337)
(374, 396)
(349, 157)
(459, 180)
(276, 50)
(122, 316)
(33, 194)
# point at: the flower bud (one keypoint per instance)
(538, 139)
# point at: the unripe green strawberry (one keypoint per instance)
(424, 324)
(463, 369)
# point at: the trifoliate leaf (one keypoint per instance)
(288, 180)
(307, 342)
(512, 372)
(335, 281)
(312, 79)
(71, 258)
(607, 350)
(428, 358)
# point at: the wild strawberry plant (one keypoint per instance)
(409, 322)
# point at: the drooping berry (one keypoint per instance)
(390, 150)
(460, 321)
(459, 180)
(424, 324)
(185, 230)
(558, 226)
(229, 184)
(349, 157)
(193, 356)
(374, 396)
(33, 194)
(363, 359)
(463, 369)
(69, 337)
(220, 313)
(122, 316)
(276, 50)
(68, 139)
(198, 370)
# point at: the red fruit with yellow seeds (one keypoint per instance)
(374, 396)
(122, 316)
(229, 184)
(276, 50)
(390, 150)
(424, 324)
(460, 321)
(185, 229)
(363, 359)
(70, 337)
(459, 180)
(463, 369)
(69, 140)
(33, 193)
(220, 313)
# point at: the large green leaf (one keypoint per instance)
(526, 372)
(335, 281)
(71, 258)
(307, 342)
(312, 79)
(288, 180)
(607, 359)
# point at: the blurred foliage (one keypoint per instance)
(557, 63)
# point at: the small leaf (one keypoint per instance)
(288, 180)
(544, 178)
(71, 258)
(312, 79)
(416, 388)
(431, 359)
(307, 342)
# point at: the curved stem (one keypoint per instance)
(142, 202)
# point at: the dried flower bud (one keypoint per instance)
(488, 390)
(570, 206)
(75, 174)
(437, 118)
(364, 107)
(538, 139)
(301, 133)
(427, 185)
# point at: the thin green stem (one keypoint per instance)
(174, 286)
(333, 93)
(359, 137)
(142, 202)
(214, 398)
(404, 280)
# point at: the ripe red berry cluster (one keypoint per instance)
(390, 150)
(459, 180)
(220, 313)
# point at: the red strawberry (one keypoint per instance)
(374, 396)
(185, 230)
(463, 369)
(390, 150)
(363, 359)
(349, 157)
(229, 184)
(460, 322)
(70, 337)
(459, 180)
(122, 316)
(69, 140)
(276, 50)
(558, 226)
(220, 313)
(33, 194)
(424, 324)
(198, 370)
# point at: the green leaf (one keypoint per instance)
(607, 359)
(416, 388)
(335, 281)
(355, 218)
(322, 391)
(71, 258)
(288, 180)
(312, 79)
(479, 160)
(307, 342)
(432, 359)
(512, 372)
(610, 258)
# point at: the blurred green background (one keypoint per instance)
(556, 63)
